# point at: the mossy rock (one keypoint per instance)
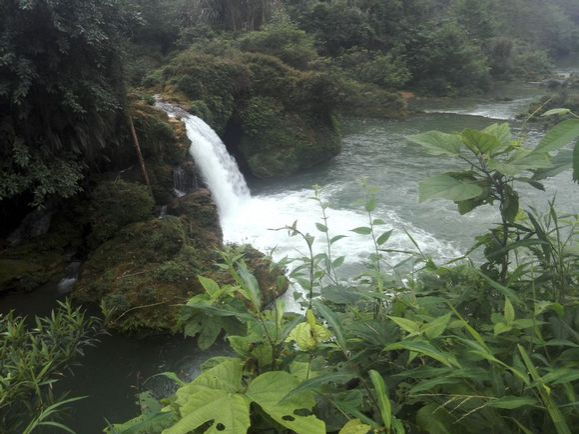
(157, 137)
(27, 274)
(142, 275)
(115, 204)
(210, 84)
(198, 213)
(127, 275)
(368, 100)
(42, 259)
(279, 143)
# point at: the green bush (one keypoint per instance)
(213, 80)
(376, 68)
(283, 40)
(443, 60)
(338, 26)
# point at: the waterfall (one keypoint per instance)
(218, 168)
(72, 273)
(179, 182)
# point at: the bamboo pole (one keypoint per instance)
(140, 155)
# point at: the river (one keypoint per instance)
(374, 150)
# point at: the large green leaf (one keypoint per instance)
(354, 426)
(229, 413)
(481, 142)
(407, 325)
(437, 143)
(501, 131)
(435, 420)
(559, 136)
(384, 405)
(448, 187)
(216, 398)
(525, 161)
(555, 414)
(339, 377)
(251, 285)
(437, 326)
(510, 206)
(512, 402)
(224, 377)
(559, 163)
(268, 391)
(143, 424)
(334, 322)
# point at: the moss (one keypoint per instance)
(214, 81)
(115, 204)
(278, 143)
(200, 109)
(198, 215)
(136, 269)
(30, 273)
(367, 100)
(140, 276)
(161, 179)
(158, 138)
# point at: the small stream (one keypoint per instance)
(375, 150)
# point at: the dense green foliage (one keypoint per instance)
(495, 164)
(425, 349)
(33, 357)
(450, 349)
(279, 119)
(64, 64)
(61, 92)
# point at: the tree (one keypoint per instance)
(234, 15)
(61, 91)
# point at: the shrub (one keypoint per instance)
(376, 68)
(283, 40)
(442, 60)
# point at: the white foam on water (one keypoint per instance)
(260, 220)
(501, 110)
(218, 168)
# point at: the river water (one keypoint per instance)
(374, 150)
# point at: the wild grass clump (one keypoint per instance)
(34, 355)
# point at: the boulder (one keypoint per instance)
(142, 275)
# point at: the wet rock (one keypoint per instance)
(42, 259)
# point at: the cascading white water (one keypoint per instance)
(218, 168)
(246, 219)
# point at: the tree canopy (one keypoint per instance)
(61, 91)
